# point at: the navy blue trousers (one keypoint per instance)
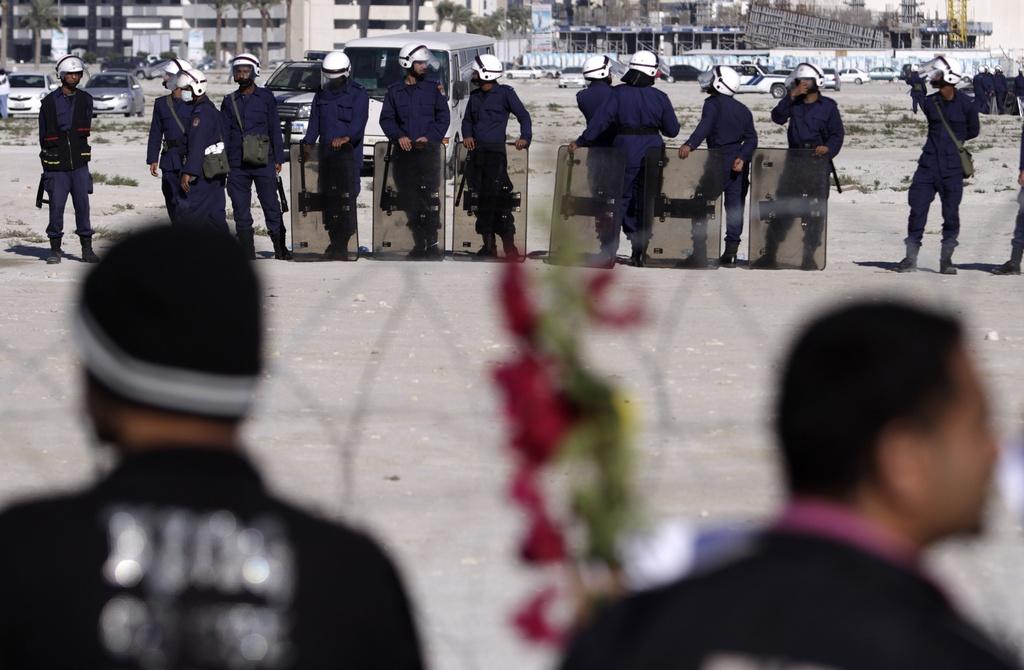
(736, 185)
(170, 184)
(1018, 230)
(240, 183)
(927, 183)
(78, 184)
(203, 205)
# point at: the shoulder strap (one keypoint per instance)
(952, 135)
(238, 117)
(169, 100)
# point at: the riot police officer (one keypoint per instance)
(167, 134)
(597, 71)
(728, 126)
(916, 84)
(1000, 87)
(640, 115)
(983, 90)
(1012, 266)
(940, 170)
(483, 134)
(338, 118)
(255, 148)
(813, 123)
(415, 113)
(201, 199)
(65, 121)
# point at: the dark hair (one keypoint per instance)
(851, 374)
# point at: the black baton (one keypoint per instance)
(281, 194)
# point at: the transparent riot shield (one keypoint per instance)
(323, 190)
(408, 201)
(586, 213)
(789, 191)
(683, 207)
(490, 203)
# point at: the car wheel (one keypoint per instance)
(778, 90)
(670, 80)
(139, 74)
(858, 81)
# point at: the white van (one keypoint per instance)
(375, 66)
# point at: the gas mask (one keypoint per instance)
(186, 95)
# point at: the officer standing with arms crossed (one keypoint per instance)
(201, 198)
(728, 126)
(340, 110)
(167, 133)
(483, 134)
(940, 170)
(814, 123)
(415, 112)
(65, 121)
(255, 149)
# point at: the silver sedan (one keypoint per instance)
(116, 93)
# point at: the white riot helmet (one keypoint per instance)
(597, 67)
(720, 78)
(415, 53)
(999, 70)
(69, 64)
(645, 62)
(172, 69)
(193, 80)
(487, 67)
(336, 64)
(806, 71)
(247, 59)
(944, 69)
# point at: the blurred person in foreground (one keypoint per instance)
(179, 557)
(887, 448)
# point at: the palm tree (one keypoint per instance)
(264, 7)
(42, 15)
(519, 21)
(492, 25)
(240, 7)
(219, 7)
(443, 10)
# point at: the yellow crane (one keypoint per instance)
(956, 14)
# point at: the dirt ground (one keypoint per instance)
(377, 405)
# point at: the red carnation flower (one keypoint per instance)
(597, 289)
(533, 619)
(520, 315)
(539, 413)
(544, 542)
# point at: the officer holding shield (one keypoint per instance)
(167, 134)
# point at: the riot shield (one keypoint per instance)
(683, 207)
(490, 203)
(323, 195)
(586, 214)
(408, 201)
(789, 191)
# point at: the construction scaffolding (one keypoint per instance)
(774, 26)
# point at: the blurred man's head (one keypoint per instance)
(881, 408)
(169, 330)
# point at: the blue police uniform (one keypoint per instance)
(939, 169)
(727, 125)
(204, 204)
(486, 118)
(983, 88)
(639, 115)
(71, 176)
(1000, 87)
(339, 111)
(1018, 91)
(167, 137)
(1018, 231)
(591, 99)
(917, 84)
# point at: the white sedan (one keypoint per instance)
(525, 72)
(854, 76)
(27, 92)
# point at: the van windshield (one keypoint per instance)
(376, 68)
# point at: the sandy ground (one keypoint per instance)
(377, 404)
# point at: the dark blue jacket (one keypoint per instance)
(961, 113)
(983, 84)
(1022, 153)
(1000, 86)
(811, 125)
(415, 111)
(205, 127)
(726, 124)
(591, 99)
(163, 127)
(259, 114)
(64, 106)
(340, 112)
(633, 107)
(486, 118)
(1018, 84)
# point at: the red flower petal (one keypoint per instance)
(533, 620)
(540, 415)
(520, 315)
(544, 542)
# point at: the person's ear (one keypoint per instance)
(903, 466)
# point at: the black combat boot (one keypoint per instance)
(245, 240)
(281, 251)
(728, 258)
(88, 256)
(638, 258)
(490, 247)
(768, 260)
(508, 246)
(1012, 266)
(55, 253)
(909, 262)
(431, 249)
(698, 260)
(946, 266)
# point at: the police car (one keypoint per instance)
(754, 79)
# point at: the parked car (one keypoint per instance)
(753, 79)
(884, 74)
(853, 76)
(27, 92)
(783, 72)
(551, 71)
(525, 72)
(831, 79)
(116, 93)
(683, 73)
(572, 76)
